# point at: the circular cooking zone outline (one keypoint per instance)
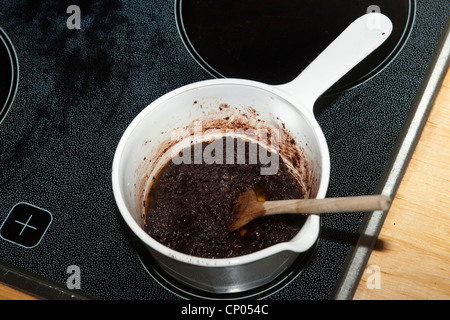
(220, 59)
(9, 74)
(187, 292)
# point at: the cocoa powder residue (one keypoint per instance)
(228, 120)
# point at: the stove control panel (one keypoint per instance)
(25, 225)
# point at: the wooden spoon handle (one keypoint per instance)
(328, 205)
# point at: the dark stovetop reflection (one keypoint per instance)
(273, 41)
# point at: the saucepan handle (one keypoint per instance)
(354, 44)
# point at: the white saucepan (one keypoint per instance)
(228, 105)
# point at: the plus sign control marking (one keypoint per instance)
(25, 225)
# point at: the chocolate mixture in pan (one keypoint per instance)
(190, 206)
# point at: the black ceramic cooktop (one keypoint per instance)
(72, 84)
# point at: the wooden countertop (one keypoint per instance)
(412, 257)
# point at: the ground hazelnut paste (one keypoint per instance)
(190, 204)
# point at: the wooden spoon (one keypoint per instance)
(249, 208)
